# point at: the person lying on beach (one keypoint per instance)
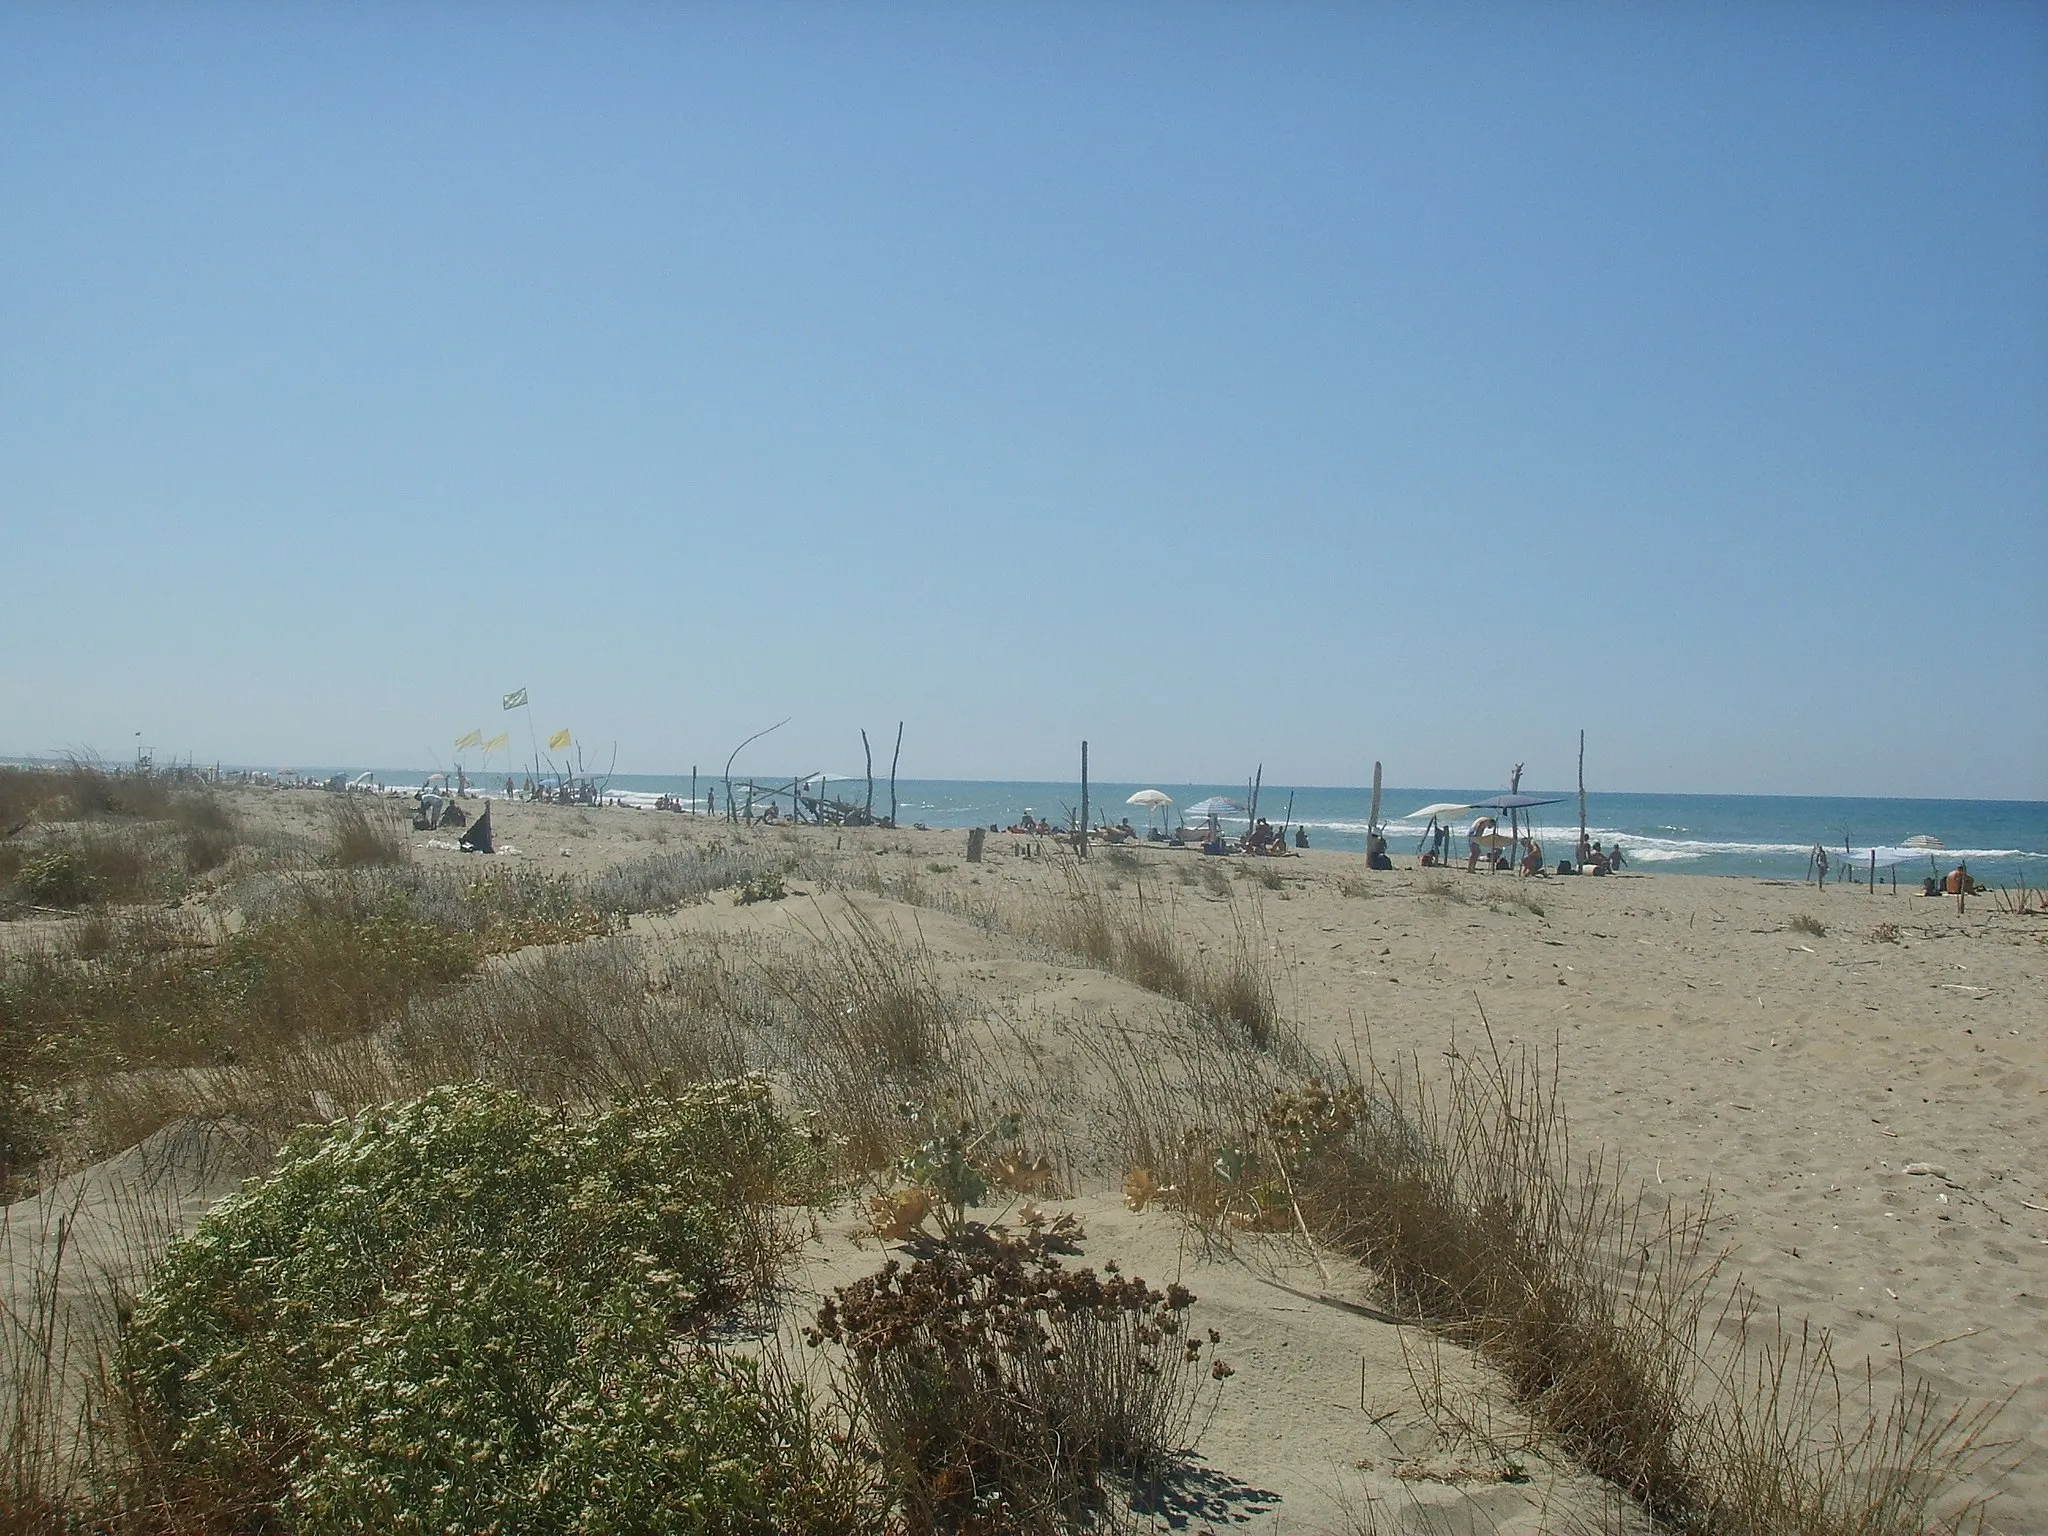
(1961, 882)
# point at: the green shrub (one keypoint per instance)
(766, 886)
(58, 878)
(464, 1312)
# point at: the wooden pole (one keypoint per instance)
(892, 772)
(1081, 847)
(693, 789)
(1873, 871)
(1515, 819)
(869, 752)
(1258, 783)
(1582, 797)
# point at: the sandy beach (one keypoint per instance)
(1858, 1078)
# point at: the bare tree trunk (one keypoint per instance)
(869, 752)
(892, 772)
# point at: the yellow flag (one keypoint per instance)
(558, 741)
(496, 743)
(473, 739)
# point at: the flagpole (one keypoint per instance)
(526, 704)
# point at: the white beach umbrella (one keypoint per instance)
(1441, 808)
(1152, 800)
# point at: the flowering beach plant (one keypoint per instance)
(473, 1312)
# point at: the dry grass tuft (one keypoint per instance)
(1806, 922)
(363, 833)
(999, 1387)
(1138, 941)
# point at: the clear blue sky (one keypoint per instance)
(1301, 383)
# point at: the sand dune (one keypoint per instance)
(1866, 1107)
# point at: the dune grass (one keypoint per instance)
(1138, 940)
(1604, 1314)
(363, 831)
(76, 835)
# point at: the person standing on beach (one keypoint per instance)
(1820, 865)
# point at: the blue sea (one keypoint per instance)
(1765, 836)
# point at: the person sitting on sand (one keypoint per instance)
(1532, 859)
(1301, 837)
(1961, 882)
(1261, 837)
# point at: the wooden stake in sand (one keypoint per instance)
(1081, 846)
(868, 752)
(1582, 797)
(1515, 818)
